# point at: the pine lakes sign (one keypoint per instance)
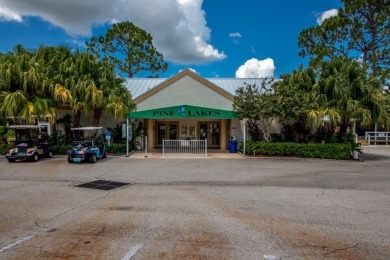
(183, 111)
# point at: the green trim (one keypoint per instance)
(183, 111)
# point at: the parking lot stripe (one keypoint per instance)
(132, 252)
(16, 243)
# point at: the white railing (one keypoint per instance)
(377, 137)
(185, 148)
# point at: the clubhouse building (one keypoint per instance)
(187, 107)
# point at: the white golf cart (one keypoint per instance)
(31, 143)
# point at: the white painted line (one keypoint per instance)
(132, 252)
(16, 243)
(269, 257)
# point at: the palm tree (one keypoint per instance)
(345, 92)
(116, 98)
(22, 98)
(96, 101)
(33, 84)
(295, 99)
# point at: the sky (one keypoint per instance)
(215, 38)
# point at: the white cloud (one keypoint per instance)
(191, 69)
(255, 68)
(179, 27)
(9, 15)
(235, 35)
(325, 15)
(77, 43)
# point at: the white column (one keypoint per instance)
(127, 137)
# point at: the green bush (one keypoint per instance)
(313, 150)
(113, 148)
(120, 148)
(116, 148)
(60, 149)
(5, 147)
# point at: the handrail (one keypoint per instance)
(381, 137)
(185, 148)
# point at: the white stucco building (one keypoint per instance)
(187, 106)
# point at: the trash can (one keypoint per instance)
(233, 146)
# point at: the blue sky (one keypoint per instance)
(215, 38)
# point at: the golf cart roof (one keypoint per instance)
(87, 128)
(24, 126)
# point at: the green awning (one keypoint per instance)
(183, 111)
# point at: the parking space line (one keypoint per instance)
(16, 243)
(133, 251)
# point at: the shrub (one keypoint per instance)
(116, 148)
(254, 130)
(276, 137)
(5, 147)
(323, 134)
(60, 149)
(120, 148)
(113, 148)
(288, 133)
(323, 151)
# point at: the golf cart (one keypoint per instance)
(31, 143)
(88, 144)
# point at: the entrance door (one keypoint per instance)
(211, 131)
(167, 131)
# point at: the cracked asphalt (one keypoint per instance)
(197, 208)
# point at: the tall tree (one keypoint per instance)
(361, 30)
(89, 85)
(23, 96)
(257, 104)
(345, 92)
(295, 99)
(115, 98)
(295, 96)
(130, 48)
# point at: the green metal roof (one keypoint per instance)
(183, 111)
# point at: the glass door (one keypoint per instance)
(211, 131)
(167, 131)
(214, 134)
(172, 128)
(203, 131)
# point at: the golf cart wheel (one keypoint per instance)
(11, 160)
(92, 158)
(69, 159)
(105, 154)
(35, 157)
(49, 154)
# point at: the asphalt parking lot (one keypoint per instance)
(197, 208)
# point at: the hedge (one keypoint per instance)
(313, 150)
(113, 148)
(118, 148)
(5, 147)
(62, 149)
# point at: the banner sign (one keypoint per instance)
(183, 112)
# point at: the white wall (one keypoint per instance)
(186, 91)
(107, 119)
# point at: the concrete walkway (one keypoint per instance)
(373, 152)
(157, 153)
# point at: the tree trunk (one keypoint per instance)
(76, 118)
(97, 115)
(343, 131)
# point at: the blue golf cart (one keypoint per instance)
(88, 144)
